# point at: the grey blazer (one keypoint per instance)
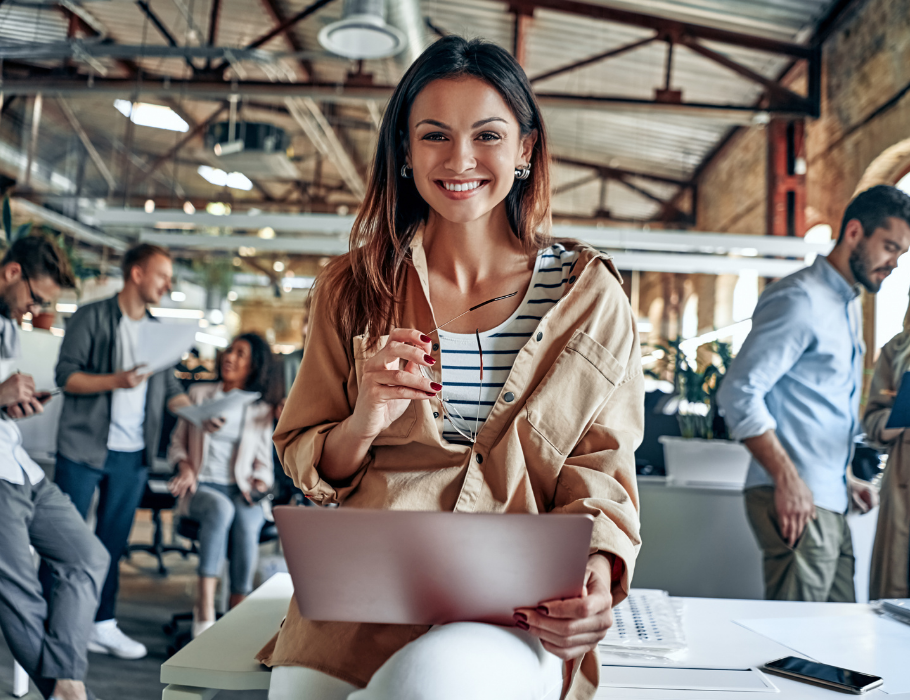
(90, 346)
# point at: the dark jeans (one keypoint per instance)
(49, 640)
(121, 484)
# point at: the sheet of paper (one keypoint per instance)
(866, 643)
(900, 411)
(658, 677)
(161, 345)
(198, 414)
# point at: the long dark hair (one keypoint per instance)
(260, 364)
(361, 287)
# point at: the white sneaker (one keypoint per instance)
(200, 626)
(108, 639)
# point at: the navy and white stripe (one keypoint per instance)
(460, 362)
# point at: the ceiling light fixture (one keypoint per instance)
(149, 206)
(362, 32)
(155, 116)
(216, 176)
(188, 208)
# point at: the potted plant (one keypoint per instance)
(703, 454)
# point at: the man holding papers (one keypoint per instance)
(111, 420)
(792, 396)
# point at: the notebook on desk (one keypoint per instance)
(427, 568)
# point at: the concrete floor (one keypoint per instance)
(146, 602)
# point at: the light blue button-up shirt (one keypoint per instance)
(800, 373)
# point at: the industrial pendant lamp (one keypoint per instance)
(362, 32)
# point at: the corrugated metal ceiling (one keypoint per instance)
(658, 142)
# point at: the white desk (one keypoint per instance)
(222, 657)
(715, 640)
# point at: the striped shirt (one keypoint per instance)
(464, 393)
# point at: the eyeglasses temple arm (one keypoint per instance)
(484, 303)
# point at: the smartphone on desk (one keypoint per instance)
(822, 674)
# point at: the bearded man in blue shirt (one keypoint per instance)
(792, 396)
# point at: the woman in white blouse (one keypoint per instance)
(222, 470)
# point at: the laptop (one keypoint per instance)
(428, 568)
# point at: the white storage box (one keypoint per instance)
(697, 462)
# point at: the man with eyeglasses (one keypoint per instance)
(48, 639)
(110, 425)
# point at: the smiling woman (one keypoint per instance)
(418, 392)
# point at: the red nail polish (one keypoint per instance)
(435, 387)
(542, 609)
(430, 394)
(429, 359)
(522, 625)
(425, 338)
(520, 617)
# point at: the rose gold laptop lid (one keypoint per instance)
(427, 568)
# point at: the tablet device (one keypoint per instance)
(427, 568)
(900, 410)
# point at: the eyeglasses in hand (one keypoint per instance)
(449, 409)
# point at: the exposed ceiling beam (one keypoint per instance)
(617, 173)
(642, 191)
(275, 10)
(328, 141)
(217, 90)
(285, 25)
(329, 226)
(201, 127)
(87, 142)
(562, 189)
(594, 59)
(662, 24)
(65, 224)
(522, 24)
(214, 16)
(308, 245)
(704, 264)
(778, 94)
(159, 25)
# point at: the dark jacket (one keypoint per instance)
(90, 346)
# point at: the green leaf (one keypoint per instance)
(22, 231)
(7, 219)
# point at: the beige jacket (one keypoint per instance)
(253, 458)
(564, 444)
(890, 574)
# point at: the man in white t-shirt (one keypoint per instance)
(110, 425)
(49, 638)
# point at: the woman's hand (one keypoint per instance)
(571, 628)
(185, 482)
(256, 486)
(213, 425)
(385, 389)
